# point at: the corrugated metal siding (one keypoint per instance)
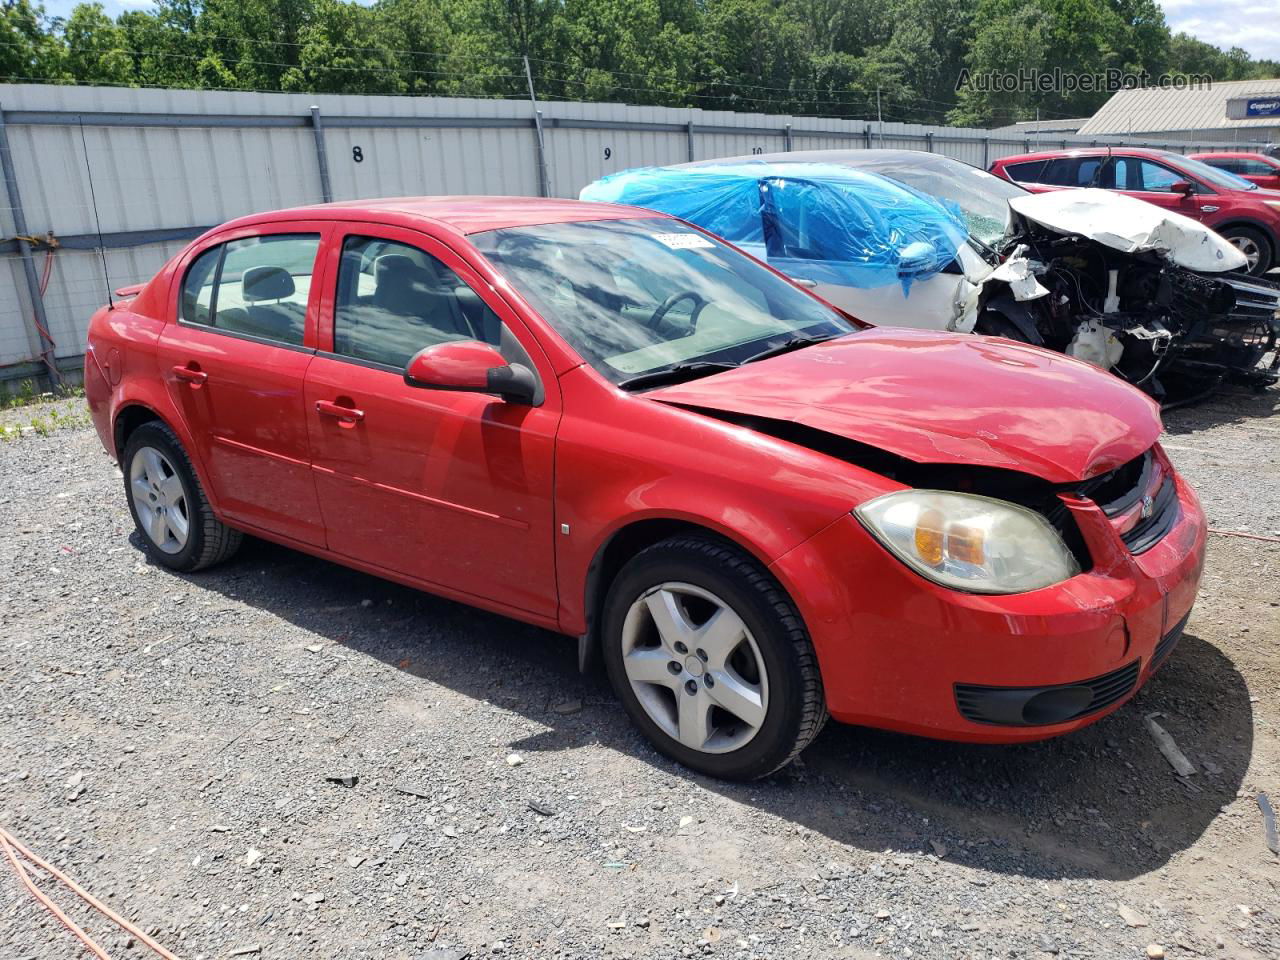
(150, 177)
(15, 342)
(1201, 112)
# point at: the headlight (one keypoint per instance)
(969, 543)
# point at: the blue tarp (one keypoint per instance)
(819, 221)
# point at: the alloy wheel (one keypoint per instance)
(1249, 247)
(695, 667)
(159, 499)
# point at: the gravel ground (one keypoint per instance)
(183, 747)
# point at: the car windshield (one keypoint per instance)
(982, 199)
(1219, 178)
(636, 297)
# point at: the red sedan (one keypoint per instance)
(1243, 212)
(758, 511)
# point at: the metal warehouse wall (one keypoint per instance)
(168, 163)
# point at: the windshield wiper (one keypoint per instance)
(793, 343)
(679, 373)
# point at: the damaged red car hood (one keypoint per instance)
(944, 398)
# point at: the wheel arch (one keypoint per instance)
(620, 545)
(129, 418)
(1266, 230)
(134, 411)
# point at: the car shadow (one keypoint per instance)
(1102, 803)
(1232, 404)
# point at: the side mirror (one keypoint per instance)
(471, 367)
(1184, 187)
(917, 258)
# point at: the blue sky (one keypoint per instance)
(1253, 25)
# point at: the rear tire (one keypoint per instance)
(1254, 245)
(728, 684)
(172, 514)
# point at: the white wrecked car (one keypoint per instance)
(1145, 292)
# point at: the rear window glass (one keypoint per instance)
(257, 286)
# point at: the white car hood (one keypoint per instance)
(1130, 225)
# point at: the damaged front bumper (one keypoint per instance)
(900, 653)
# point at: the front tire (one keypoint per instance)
(1254, 245)
(168, 504)
(711, 659)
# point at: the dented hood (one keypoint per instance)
(1130, 225)
(944, 398)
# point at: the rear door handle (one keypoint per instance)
(327, 408)
(190, 375)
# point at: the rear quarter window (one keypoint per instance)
(197, 288)
(1028, 172)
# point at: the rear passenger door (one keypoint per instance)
(233, 358)
(453, 490)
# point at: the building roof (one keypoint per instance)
(1027, 127)
(1159, 110)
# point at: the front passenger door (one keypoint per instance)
(453, 490)
(1153, 182)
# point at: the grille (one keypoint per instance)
(1150, 530)
(1116, 491)
(1006, 705)
(1121, 495)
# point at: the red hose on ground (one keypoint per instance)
(1246, 536)
(10, 843)
(49, 905)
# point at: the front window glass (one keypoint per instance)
(1254, 168)
(1219, 178)
(394, 300)
(1229, 164)
(1158, 179)
(639, 296)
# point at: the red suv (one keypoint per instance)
(1255, 167)
(1243, 212)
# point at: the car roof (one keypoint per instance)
(464, 214)
(1233, 155)
(853, 156)
(1090, 152)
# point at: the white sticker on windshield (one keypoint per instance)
(684, 241)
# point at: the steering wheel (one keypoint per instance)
(665, 306)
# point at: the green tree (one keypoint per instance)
(336, 54)
(417, 41)
(29, 47)
(96, 48)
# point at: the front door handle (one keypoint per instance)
(327, 408)
(191, 375)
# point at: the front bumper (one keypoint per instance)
(899, 652)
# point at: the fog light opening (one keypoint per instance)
(1056, 706)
